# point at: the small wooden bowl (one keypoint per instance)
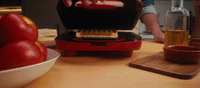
(182, 54)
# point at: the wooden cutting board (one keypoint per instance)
(157, 63)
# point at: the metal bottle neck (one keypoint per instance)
(177, 4)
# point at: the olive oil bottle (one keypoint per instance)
(176, 25)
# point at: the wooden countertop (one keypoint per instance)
(89, 71)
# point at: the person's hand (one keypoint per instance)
(68, 3)
(159, 37)
(151, 21)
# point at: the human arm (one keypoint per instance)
(151, 21)
(149, 18)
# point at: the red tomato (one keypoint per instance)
(43, 48)
(1, 35)
(19, 54)
(15, 28)
(1, 15)
(30, 22)
(2, 39)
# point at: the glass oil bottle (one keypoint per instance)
(176, 25)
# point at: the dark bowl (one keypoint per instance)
(182, 54)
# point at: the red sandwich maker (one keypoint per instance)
(99, 17)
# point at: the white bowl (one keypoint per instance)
(19, 77)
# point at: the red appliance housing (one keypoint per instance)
(101, 17)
